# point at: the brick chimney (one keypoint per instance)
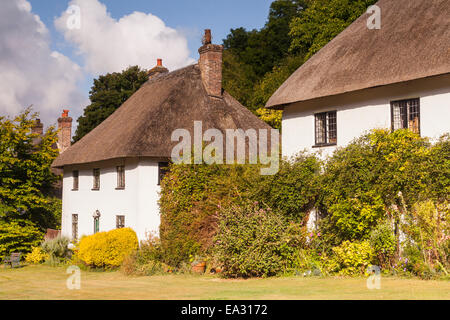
(210, 64)
(38, 127)
(65, 131)
(157, 70)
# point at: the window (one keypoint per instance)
(96, 174)
(163, 168)
(96, 224)
(120, 222)
(405, 114)
(120, 177)
(75, 175)
(326, 128)
(74, 226)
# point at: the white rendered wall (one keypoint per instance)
(138, 202)
(361, 111)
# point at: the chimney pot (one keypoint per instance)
(159, 62)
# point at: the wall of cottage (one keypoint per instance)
(138, 201)
(361, 111)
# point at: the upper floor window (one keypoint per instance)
(75, 175)
(120, 177)
(163, 168)
(325, 128)
(405, 114)
(96, 174)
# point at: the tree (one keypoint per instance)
(322, 21)
(107, 94)
(26, 179)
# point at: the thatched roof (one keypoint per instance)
(143, 125)
(413, 43)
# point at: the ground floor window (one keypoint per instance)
(96, 224)
(405, 114)
(74, 226)
(120, 222)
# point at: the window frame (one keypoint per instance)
(96, 225)
(75, 223)
(120, 224)
(405, 123)
(96, 179)
(120, 171)
(327, 129)
(163, 168)
(75, 180)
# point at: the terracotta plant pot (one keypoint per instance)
(199, 267)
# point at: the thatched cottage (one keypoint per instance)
(112, 175)
(397, 76)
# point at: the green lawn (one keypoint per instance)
(43, 282)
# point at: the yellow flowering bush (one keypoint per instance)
(36, 256)
(350, 258)
(107, 249)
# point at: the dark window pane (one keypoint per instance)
(121, 177)
(96, 174)
(75, 180)
(163, 168)
(74, 226)
(406, 115)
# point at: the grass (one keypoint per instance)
(44, 282)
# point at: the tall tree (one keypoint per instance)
(26, 179)
(107, 94)
(322, 21)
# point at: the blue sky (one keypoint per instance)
(189, 16)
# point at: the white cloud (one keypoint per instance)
(110, 45)
(30, 72)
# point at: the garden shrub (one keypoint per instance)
(350, 258)
(107, 249)
(56, 249)
(251, 241)
(18, 236)
(427, 227)
(36, 256)
(384, 244)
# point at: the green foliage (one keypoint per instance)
(56, 249)
(362, 182)
(427, 226)
(322, 21)
(350, 258)
(384, 244)
(26, 179)
(18, 236)
(251, 241)
(190, 195)
(293, 190)
(147, 260)
(107, 94)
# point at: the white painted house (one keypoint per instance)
(394, 77)
(111, 176)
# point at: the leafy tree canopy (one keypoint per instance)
(107, 94)
(26, 179)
